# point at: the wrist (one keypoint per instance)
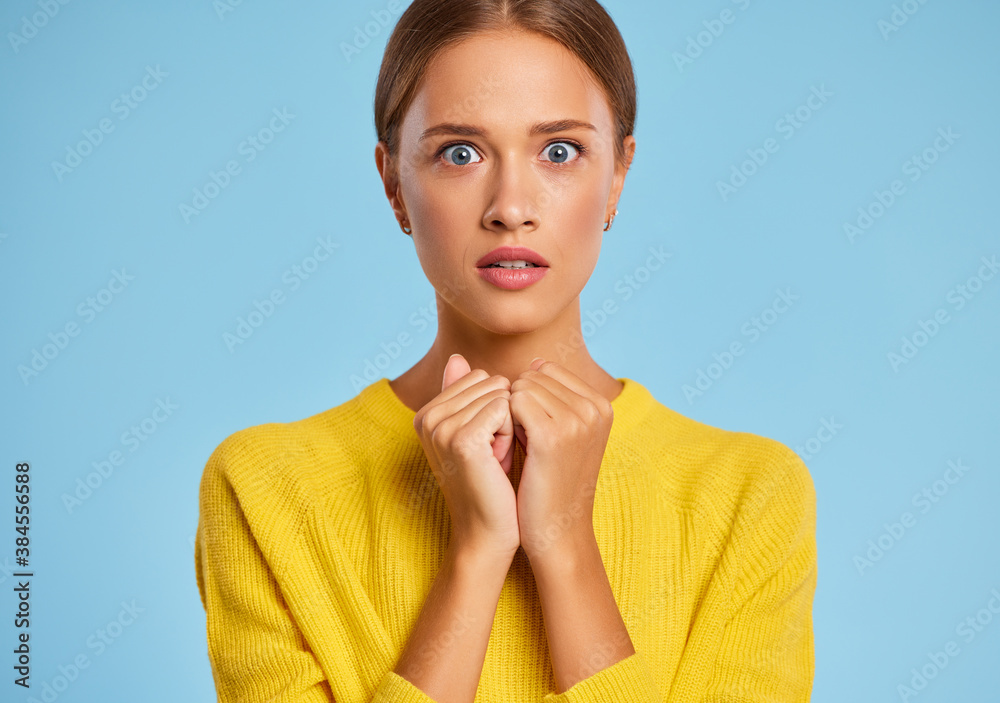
(482, 558)
(566, 556)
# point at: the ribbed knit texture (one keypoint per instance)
(318, 542)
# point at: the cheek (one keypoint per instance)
(578, 218)
(580, 200)
(587, 213)
(438, 237)
(580, 214)
(437, 208)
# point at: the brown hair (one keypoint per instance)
(427, 26)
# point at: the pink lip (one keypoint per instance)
(512, 279)
(512, 254)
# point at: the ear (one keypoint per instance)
(621, 169)
(389, 173)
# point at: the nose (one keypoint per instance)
(518, 196)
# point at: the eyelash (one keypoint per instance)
(581, 149)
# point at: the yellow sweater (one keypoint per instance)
(318, 541)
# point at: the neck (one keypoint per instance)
(507, 352)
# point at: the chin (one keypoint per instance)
(512, 324)
(498, 325)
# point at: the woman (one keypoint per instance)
(506, 521)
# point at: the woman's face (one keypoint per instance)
(484, 162)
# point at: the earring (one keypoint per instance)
(407, 230)
(607, 225)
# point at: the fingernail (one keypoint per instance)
(537, 358)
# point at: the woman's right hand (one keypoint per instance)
(467, 434)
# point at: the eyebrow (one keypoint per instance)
(466, 130)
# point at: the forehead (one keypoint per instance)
(505, 82)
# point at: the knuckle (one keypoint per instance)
(593, 412)
(442, 434)
(501, 393)
(463, 439)
(431, 418)
(501, 380)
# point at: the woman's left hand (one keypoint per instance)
(563, 425)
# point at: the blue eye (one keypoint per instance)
(463, 154)
(560, 154)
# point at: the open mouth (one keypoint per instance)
(512, 275)
(511, 265)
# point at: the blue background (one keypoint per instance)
(824, 361)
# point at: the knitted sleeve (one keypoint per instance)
(629, 680)
(256, 649)
(762, 649)
(765, 650)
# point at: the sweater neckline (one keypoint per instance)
(383, 405)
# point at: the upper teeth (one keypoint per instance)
(519, 264)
